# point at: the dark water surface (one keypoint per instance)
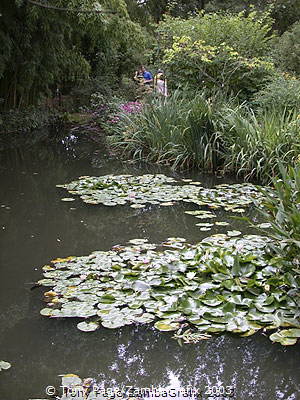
(36, 226)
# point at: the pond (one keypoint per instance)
(36, 226)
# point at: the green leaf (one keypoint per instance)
(88, 326)
(166, 325)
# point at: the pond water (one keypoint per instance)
(36, 226)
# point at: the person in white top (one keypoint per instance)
(160, 83)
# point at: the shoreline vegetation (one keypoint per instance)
(235, 94)
(209, 134)
(234, 100)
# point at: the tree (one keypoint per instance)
(46, 47)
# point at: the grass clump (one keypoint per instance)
(210, 133)
(254, 145)
(179, 132)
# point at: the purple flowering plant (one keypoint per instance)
(130, 107)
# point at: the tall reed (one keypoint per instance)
(254, 146)
(210, 133)
(178, 131)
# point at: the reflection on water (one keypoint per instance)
(36, 226)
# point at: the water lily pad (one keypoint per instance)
(211, 301)
(283, 337)
(205, 224)
(138, 241)
(141, 286)
(166, 325)
(216, 328)
(238, 325)
(137, 205)
(221, 223)
(88, 326)
(233, 233)
(113, 324)
(4, 365)
(47, 312)
(145, 318)
(218, 284)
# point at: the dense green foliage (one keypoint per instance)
(284, 12)
(255, 145)
(242, 116)
(47, 48)
(280, 208)
(211, 134)
(212, 50)
(178, 132)
(26, 120)
(198, 65)
(287, 50)
(250, 35)
(236, 99)
(279, 95)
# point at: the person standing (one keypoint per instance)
(160, 83)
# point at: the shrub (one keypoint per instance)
(249, 35)
(27, 120)
(287, 50)
(198, 64)
(280, 94)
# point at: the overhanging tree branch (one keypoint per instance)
(74, 10)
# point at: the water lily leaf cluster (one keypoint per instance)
(222, 284)
(112, 190)
(231, 197)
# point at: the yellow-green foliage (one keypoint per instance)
(199, 65)
(250, 35)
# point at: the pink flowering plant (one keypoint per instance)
(125, 110)
(131, 107)
(110, 112)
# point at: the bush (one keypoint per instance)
(249, 35)
(280, 94)
(200, 65)
(287, 50)
(27, 120)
